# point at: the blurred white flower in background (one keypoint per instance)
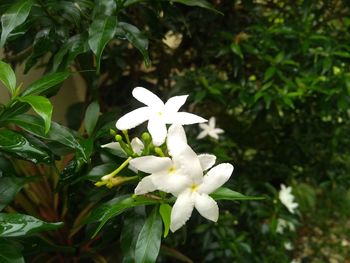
(287, 198)
(284, 224)
(157, 114)
(209, 129)
(288, 246)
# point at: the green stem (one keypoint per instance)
(116, 171)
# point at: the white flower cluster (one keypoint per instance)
(187, 176)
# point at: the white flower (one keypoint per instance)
(209, 129)
(157, 113)
(288, 246)
(283, 224)
(196, 195)
(137, 146)
(287, 198)
(182, 175)
(170, 175)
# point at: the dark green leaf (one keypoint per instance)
(9, 187)
(224, 193)
(91, 117)
(15, 144)
(148, 242)
(237, 50)
(42, 106)
(120, 207)
(45, 83)
(101, 31)
(8, 77)
(269, 73)
(137, 39)
(10, 252)
(165, 212)
(97, 172)
(132, 225)
(199, 3)
(14, 17)
(14, 225)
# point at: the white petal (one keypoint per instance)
(176, 139)
(116, 148)
(206, 160)
(137, 145)
(175, 103)
(215, 178)
(113, 145)
(147, 97)
(133, 118)
(171, 183)
(212, 122)
(158, 131)
(151, 164)
(213, 135)
(207, 207)
(202, 134)
(181, 210)
(218, 131)
(189, 164)
(186, 118)
(145, 186)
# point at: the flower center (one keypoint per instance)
(171, 170)
(194, 188)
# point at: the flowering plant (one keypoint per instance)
(168, 170)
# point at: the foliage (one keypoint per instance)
(274, 73)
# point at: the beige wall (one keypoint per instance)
(73, 90)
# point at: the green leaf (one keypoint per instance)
(74, 46)
(148, 242)
(98, 171)
(45, 83)
(10, 252)
(237, 50)
(137, 39)
(42, 106)
(91, 117)
(101, 31)
(57, 133)
(199, 3)
(14, 17)
(9, 187)
(14, 225)
(132, 225)
(269, 73)
(224, 193)
(165, 212)
(121, 206)
(16, 144)
(8, 77)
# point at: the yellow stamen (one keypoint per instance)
(194, 188)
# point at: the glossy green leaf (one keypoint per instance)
(16, 144)
(42, 106)
(148, 242)
(199, 3)
(137, 39)
(91, 117)
(121, 206)
(132, 225)
(69, 50)
(14, 17)
(105, 7)
(7, 77)
(101, 31)
(45, 83)
(10, 252)
(224, 193)
(98, 171)
(9, 187)
(14, 225)
(165, 212)
(57, 133)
